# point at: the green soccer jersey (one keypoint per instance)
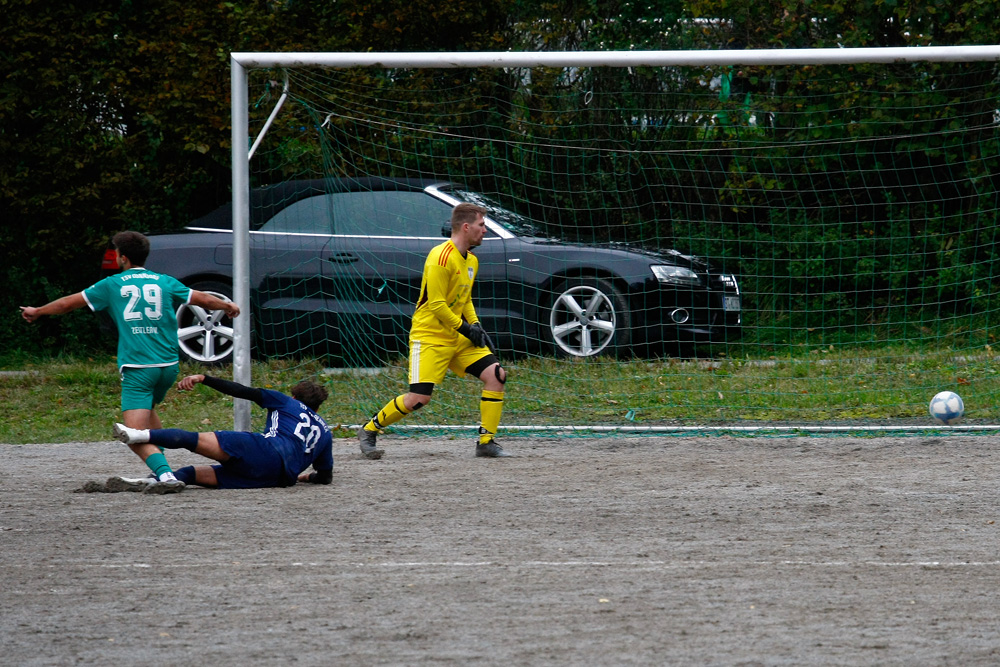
(142, 304)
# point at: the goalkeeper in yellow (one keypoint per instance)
(446, 333)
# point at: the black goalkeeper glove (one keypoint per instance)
(475, 333)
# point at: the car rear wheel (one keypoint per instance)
(206, 336)
(588, 317)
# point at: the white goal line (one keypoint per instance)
(549, 564)
(985, 428)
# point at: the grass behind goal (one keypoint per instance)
(77, 400)
(856, 203)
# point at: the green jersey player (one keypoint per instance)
(142, 304)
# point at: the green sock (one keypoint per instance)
(158, 464)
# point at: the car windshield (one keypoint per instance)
(509, 220)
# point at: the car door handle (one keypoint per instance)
(343, 258)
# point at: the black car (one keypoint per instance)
(335, 268)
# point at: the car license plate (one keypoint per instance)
(731, 303)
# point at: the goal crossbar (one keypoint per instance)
(827, 56)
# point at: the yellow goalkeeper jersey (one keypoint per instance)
(445, 295)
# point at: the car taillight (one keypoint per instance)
(109, 263)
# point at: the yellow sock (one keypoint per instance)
(490, 409)
(390, 414)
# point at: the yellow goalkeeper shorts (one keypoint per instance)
(429, 362)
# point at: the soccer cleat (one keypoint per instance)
(92, 487)
(119, 484)
(167, 483)
(491, 449)
(130, 436)
(366, 439)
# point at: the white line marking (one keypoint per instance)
(544, 564)
(803, 428)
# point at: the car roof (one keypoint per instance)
(267, 200)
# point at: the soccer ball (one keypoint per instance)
(947, 408)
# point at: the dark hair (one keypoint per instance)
(133, 245)
(465, 212)
(310, 393)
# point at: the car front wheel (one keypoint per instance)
(588, 317)
(206, 336)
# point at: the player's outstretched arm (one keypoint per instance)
(234, 389)
(58, 307)
(206, 300)
(188, 383)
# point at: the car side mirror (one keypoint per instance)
(446, 230)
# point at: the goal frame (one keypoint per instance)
(242, 62)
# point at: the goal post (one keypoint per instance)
(243, 63)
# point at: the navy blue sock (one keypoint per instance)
(185, 474)
(173, 438)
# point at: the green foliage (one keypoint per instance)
(115, 115)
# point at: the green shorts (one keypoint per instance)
(143, 388)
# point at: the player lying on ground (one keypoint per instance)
(296, 437)
(445, 333)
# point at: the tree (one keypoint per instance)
(115, 115)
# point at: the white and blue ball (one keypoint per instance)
(947, 408)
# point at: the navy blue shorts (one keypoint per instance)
(253, 463)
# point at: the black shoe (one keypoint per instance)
(367, 441)
(491, 449)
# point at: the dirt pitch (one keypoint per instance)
(615, 551)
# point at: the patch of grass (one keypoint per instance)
(866, 386)
(64, 400)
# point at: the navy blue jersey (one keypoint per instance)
(297, 433)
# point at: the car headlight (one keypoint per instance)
(675, 275)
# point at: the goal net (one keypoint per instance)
(756, 240)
